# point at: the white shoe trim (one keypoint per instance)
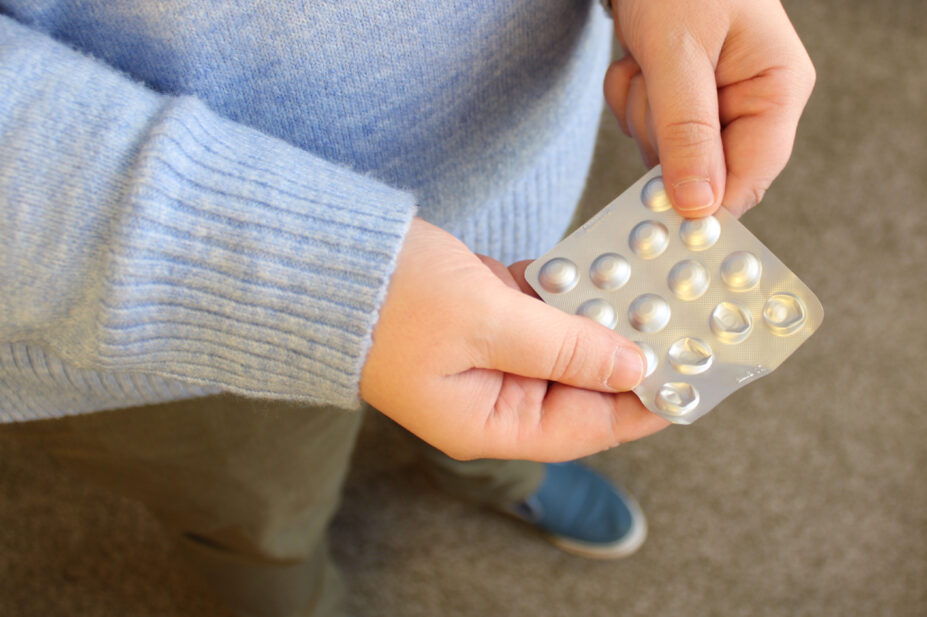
(624, 547)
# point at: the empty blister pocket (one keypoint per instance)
(711, 307)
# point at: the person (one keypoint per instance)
(226, 225)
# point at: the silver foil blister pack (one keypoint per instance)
(711, 307)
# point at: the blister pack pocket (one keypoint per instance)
(711, 307)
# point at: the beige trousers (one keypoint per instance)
(248, 487)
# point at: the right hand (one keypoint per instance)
(464, 358)
(714, 91)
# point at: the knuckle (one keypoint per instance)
(791, 85)
(568, 363)
(810, 77)
(811, 73)
(690, 135)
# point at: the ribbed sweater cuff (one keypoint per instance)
(246, 264)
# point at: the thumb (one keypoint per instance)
(533, 339)
(683, 96)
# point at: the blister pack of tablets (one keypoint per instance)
(711, 307)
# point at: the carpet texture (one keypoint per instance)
(802, 494)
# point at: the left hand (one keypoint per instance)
(464, 357)
(713, 90)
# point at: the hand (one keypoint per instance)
(476, 367)
(714, 89)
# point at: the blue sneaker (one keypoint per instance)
(584, 514)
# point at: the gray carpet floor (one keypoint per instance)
(803, 494)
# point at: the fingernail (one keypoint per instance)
(693, 194)
(627, 369)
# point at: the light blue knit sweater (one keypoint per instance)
(200, 196)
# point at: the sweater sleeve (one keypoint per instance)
(143, 234)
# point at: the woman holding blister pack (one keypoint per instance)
(225, 226)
